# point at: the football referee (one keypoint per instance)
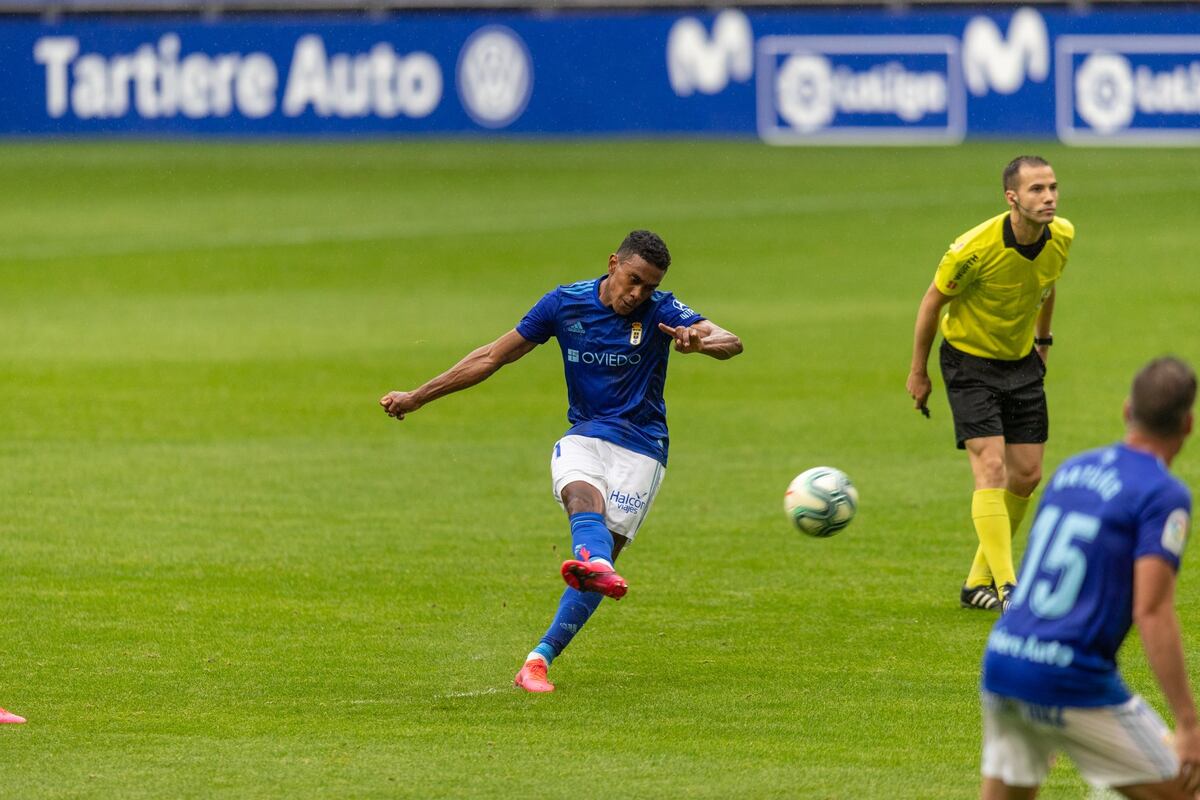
(997, 285)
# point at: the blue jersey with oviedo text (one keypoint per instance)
(616, 366)
(1101, 512)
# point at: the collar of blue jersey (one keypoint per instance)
(1142, 453)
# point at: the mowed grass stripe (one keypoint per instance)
(229, 575)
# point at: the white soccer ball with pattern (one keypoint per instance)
(821, 501)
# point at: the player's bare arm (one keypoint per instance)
(704, 337)
(1154, 614)
(918, 385)
(1042, 329)
(477, 366)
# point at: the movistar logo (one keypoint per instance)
(992, 62)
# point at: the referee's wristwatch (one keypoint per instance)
(1043, 341)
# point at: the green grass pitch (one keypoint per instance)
(227, 574)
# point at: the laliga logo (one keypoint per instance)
(1110, 91)
(989, 61)
(1104, 92)
(696, 63)
(809, 92)
(495, 76)
(804, 92)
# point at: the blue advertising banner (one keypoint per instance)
(789, 77)
(1128, 89)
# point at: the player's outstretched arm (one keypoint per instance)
(704, 337)
(477, 366)
(918, 384)
(1154, 613)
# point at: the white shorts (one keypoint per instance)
(627, 481)
(1121, 745)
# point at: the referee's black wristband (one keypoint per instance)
(1043, 342)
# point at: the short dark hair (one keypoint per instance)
(1014, 169)
(649, 246)
(1162, 395)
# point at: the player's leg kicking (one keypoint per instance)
(590, 578)
(583, 468)
(592, 568)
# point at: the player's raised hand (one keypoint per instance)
(397, 404)
(687, 340)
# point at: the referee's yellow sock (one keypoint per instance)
(1016, 506)
(990, 515)
(981, 573)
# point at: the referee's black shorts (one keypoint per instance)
(993, 397)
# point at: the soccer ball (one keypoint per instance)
(821, 501)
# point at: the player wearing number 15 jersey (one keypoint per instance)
(1103, 553)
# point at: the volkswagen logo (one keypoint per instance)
(495, 76)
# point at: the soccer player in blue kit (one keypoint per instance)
(615, 333)
(1103, 553)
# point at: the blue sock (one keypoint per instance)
(588, 530)
(574, 609)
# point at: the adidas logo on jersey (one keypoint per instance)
(575, 327)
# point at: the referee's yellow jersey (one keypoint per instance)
(998, 286)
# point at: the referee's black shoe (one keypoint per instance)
(980, 597)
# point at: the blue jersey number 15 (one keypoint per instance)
(1055, 546)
